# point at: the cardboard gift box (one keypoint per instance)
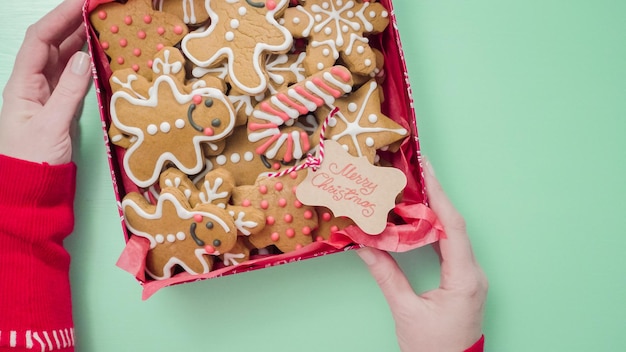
(410, 224)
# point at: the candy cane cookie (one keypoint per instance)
(271, 125)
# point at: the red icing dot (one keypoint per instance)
(326, 217)
(197, 99)
(161, 30)
(150, 63)
(104, 45)
(120, 60)
(197, 218)
(128, 20)
(298, 205)
(136, 68)
(115, 29)
(137, 52)
(270, 4)
(276, 166)
(209, 249)
(265, 204)
(278, 186)
(288, 218)
(306, 230)
(178, 30)
(246, 203)
(308, 214)
(123, 42)
(275, 236)
(141, 35)
(319, 239)
(334, 228)
(293, 175)
(209, 131)
(298, 246)
(290, 233)
(282, 202)
(263, 189)
(147, 19)
(270, 220)
(160, 47)
(102, 15)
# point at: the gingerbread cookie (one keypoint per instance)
(289, 224)
(240, 159)
(329, 224)
(170, 126)
(131, 33)
(270, 126)
(359, 125)
(337, 28)
(179, 235)
(242, 33)
(192, 12)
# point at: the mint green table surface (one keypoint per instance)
(522, 110)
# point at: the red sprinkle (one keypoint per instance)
(102, 15)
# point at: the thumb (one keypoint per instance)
(68, 95)
(392, 281)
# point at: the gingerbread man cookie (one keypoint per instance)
(131, 33)
(179, 235)
(242, 32)
(337, 28)
(289, 224)
(170, 126)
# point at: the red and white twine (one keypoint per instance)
(311, 161)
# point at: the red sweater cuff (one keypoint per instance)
(479, 346)
(36, 215)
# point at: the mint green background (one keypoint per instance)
(522, 110)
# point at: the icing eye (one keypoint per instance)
(217, 243)
(216, 123)
(209, 225)
(208, 102)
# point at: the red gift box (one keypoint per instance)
(412, 223)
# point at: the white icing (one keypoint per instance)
(235, 158)
(248, 156)
(256, 54)
(354, 129)
(165, 127)
(165, 66)
(146, 107)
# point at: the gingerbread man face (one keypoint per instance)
(243, 33)
(170, 125)
(179, 235)
(336, 28)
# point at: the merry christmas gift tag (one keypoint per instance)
(352, 187)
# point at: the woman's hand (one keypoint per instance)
(46, 89)
(448, 318)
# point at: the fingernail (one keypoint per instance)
(80, 63)
(366, 255)
(428, 166)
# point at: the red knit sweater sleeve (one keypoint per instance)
(36, 215)
(479, 346)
